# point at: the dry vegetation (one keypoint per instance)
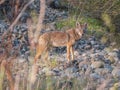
(6, 62)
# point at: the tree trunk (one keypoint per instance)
(40, 20)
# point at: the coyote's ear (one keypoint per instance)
(77, 24)
(85, 25)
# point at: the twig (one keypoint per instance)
(18, 17)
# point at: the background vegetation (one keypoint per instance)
(102, 16)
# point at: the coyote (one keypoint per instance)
(60, 38)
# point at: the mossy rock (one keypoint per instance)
(97, 64)
(104, 39)
(111, 58)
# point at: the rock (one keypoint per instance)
(76, 53)
(45, 69)
(97, 64)
(56, 71)
(113, 56)
(88, 71)
(95, 76)
(83, 65)
(116, 72)
(108, 67)
(107, 61)
(111, 59)
(96, 46)
(72, 70)
(105, 84)
(65, 84)
(59, 49)
(116, 86)
(98, 70)
(104, 40)
(98, 57)
(81, 42)
(56, 4)
(61, 67)
(24, 17)
(48, 72)
(87, 47)
(92, 42)
(21, 59)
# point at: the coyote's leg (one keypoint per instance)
(46, 56)
(68, 52)
(39, 51)
(72, 52)
(37, 56)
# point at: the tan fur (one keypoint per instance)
(59, 38)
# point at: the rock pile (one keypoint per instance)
(19, 38)
(93, 60)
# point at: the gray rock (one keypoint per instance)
(21, 59)
(49, 72)
(92, 42)
(76, 75)
(95, 76)
(105, 84)
(114, 55)
(84, 67)
(87, 47)
(99, 70)
(88, 72)
(71, 70)
(97, 64)
(108, 67)
(116, 72)
(97, 46)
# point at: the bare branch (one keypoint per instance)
(40, 20)
(30, 33)
(18, 17)
(8, 73)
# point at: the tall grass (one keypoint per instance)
(2, 74)
(102, 17)
(94, 26)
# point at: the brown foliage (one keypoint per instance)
(6, 60)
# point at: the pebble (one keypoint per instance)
(97, 64)
(95, 76)
(116, 72)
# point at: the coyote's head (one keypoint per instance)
(80, 28)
